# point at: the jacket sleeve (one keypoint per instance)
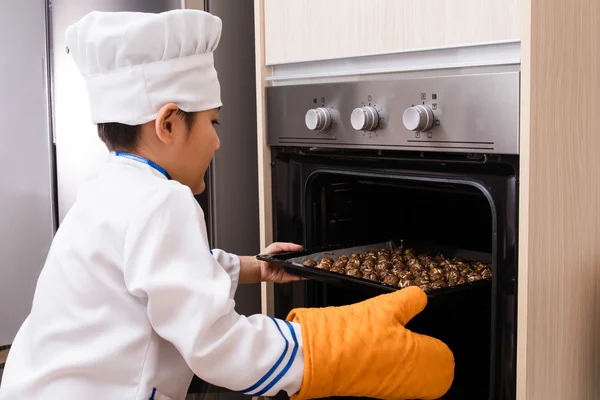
(169, 266)
(231, 265)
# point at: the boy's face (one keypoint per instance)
(200, 148)
(186, 153)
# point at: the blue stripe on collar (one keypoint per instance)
(143, 160)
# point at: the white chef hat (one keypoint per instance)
(134, 63)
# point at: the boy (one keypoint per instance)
(132, 302)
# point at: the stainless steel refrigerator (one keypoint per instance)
(48, 146)
(27, 198)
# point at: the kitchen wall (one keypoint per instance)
(194, 4)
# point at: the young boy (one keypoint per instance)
(132, 302)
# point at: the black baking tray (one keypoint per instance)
(292, 263)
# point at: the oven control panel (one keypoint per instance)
(460, 113)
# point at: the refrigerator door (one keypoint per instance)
(234, 171)
(27, 217)
(231, 199)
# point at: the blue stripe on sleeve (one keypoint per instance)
(288, 365)
(270, 372)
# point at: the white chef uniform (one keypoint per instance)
(131, 301)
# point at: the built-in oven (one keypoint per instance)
(429, 163)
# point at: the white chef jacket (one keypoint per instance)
(131, 303)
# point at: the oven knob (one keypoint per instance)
(418, 118)
(318, 119)
(364, 119)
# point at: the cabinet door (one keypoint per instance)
(309, 30)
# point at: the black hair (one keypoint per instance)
(121, 137)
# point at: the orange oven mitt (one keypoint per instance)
(363, 350)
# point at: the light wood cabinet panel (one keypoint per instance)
(308, 30)
(264, 155)
(558, 355)
(559, 248)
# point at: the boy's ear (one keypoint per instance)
(165, 121)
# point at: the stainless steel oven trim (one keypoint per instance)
(473, 113)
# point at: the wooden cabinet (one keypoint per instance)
(559, 258)
(558, 354)
(309, 30)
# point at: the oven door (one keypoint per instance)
(323, 199)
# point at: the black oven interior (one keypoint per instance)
(335, 198)
(374, 207)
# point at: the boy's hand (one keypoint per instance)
(273, 272)
(254, 271)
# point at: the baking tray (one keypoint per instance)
(292, 263)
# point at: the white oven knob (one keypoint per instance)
(318, 119)
(418, 118)
(364, 119)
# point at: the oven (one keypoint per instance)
(429, 162)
